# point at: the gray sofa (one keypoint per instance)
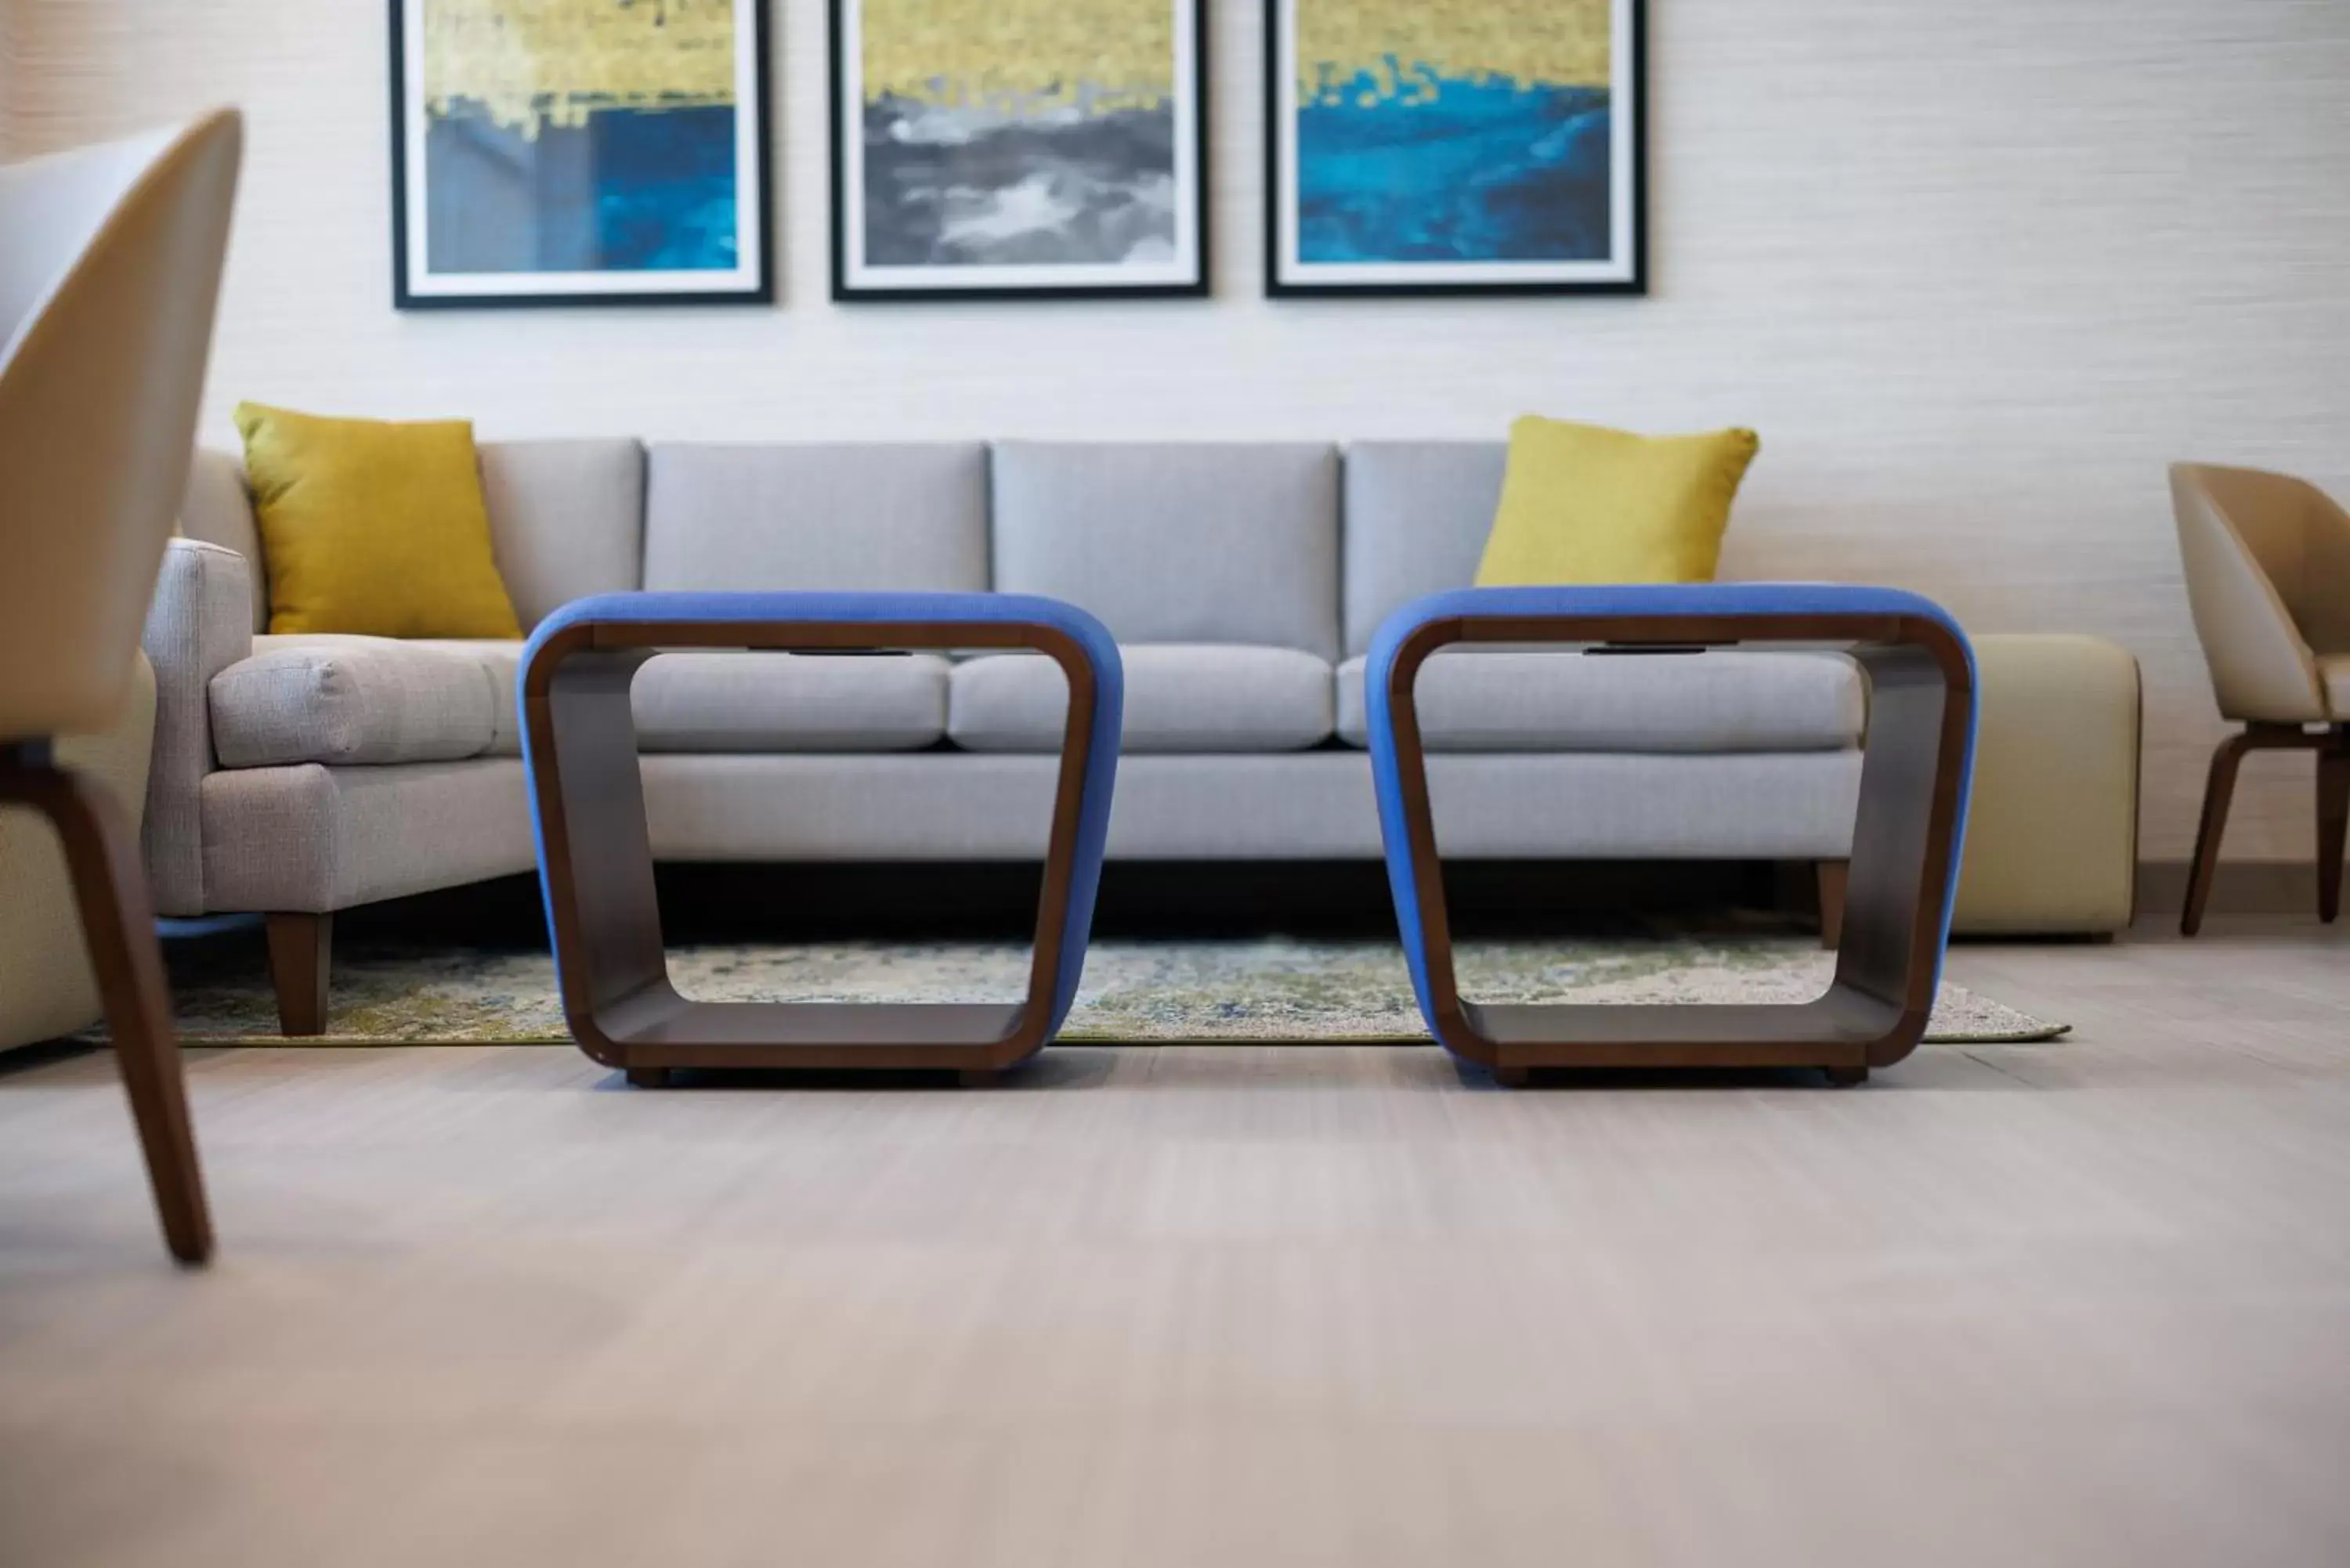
(298, 776)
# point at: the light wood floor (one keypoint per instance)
(2080, 1304)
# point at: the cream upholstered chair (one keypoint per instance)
(109, 272)
(2268, 575)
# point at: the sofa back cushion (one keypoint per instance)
(1177, 541)
(1418, 514)
(567, 519)
(218, 510)
(816, 518)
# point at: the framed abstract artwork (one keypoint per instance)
(580, 153)
(1455, 147)
(994, 149)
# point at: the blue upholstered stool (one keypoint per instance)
(595, 855)
(1905, 842)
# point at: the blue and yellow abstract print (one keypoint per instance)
(1453, 130)
(566, 136)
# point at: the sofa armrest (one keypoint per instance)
(200, 624)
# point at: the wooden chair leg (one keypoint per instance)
(2332, 823)
(119, 923)
(301, 952)
(2218, 794)
(1833, 876)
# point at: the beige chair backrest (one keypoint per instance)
(2267, 558)
(109, 272)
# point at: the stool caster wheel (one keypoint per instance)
(1846, 1077)
(648, 1077)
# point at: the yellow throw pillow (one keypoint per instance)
(1583, 504)
(373, 527)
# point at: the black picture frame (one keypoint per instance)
(759, 291)
(1633, 71)
(845, 291)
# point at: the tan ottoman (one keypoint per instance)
(2052, 842)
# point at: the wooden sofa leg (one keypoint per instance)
(1832, 875)
(300, 949)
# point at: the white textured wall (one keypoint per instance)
(8, 74)
(1976, 271)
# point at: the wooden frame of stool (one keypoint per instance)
(1905, 842)
(595, 853)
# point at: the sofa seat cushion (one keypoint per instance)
(741, 701)
(350, 700)
(1179, 697)
(1721, 701)
(502, 660)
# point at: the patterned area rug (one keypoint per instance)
(1134, 991)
